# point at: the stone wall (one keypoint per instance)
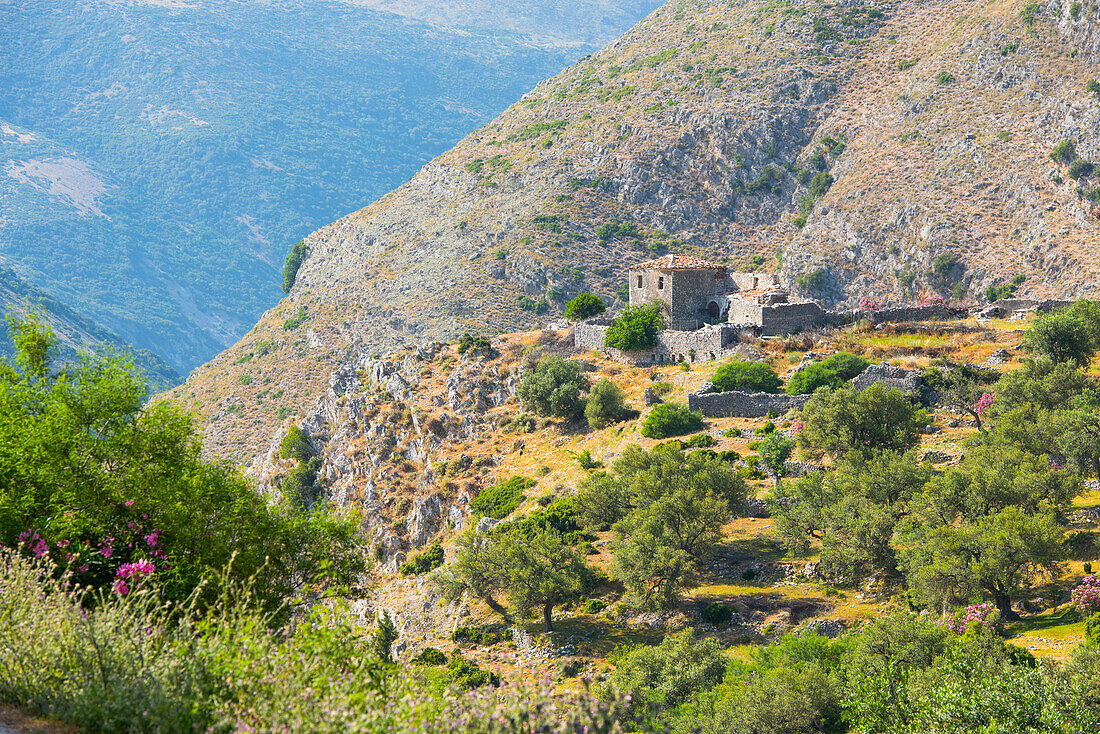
(736, 404)
(788, 318)
(1008, 306)
(700, 345)
(908, 381)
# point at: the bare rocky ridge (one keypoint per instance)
(704, 128)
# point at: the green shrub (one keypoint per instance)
(424, 562)
(1061, 337)
(821, 184)
(465, 674)
(700, 441)
(584, 306)
(430, 656)
(614, 228)
(1027, 15)
(813, 281)
(293, 263)
(944, 77)
(605, 404)
(1079, 168)
(717, 613)
(746, 376)
(295, 445)
(534, 305)
(472, 344)
(1093, 87)
(832, 372)
(635, 328)
(1064, 152)
(554, 387)
(593, 606)
(499, 500)
(475, 635)
(670, 419)
(296, 320)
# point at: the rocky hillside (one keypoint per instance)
(894, 150)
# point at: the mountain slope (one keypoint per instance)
(716, 129)
(76, 335)
(157, 159)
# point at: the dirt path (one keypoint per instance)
(14, 721)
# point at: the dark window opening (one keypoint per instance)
(660, 283)
(639, 281)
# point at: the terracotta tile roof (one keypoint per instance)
(678, 262)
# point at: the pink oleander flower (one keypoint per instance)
(933, 301)
(870, 304)
(121, 588)
(1086, 595)
(107, 547)
(34, 543)
(983, 403)
(152, 538)
(982, 614)
(129, 503)
(137, 568)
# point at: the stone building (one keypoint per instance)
(695, 292)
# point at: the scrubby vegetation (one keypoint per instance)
(747, 376)
(635, 328)
(670, 419)
(584, 306)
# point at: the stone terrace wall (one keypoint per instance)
(908, 381)
(736, 404)
(672, 346)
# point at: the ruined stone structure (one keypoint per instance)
(736, 404)
(708, 342)
(694, 292)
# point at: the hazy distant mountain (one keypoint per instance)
(158, 158)
(555, 22)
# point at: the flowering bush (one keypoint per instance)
(869, 304)
(983, 403)
(984, 615)
(1086, 595)
(933, 301)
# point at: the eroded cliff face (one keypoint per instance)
(866, 140)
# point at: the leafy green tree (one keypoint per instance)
(667, 512)
(876, 419)
(584, 306)
(1061, 337)
(1042, 383)
(635, 327)
(382, 642)
(670, 419)
(554, 388)
(672, 672)
(105, 479)
(605, 404)
(998, 556)
(774, 450)
(533, 570)
(851, 511)
(293, 262)
(747, 376)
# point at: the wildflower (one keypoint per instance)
(983, 403)
(137, 568)
(129, 503)
(151, 538)
(121, 588)
(1086, 595)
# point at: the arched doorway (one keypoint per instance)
(713, 309)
